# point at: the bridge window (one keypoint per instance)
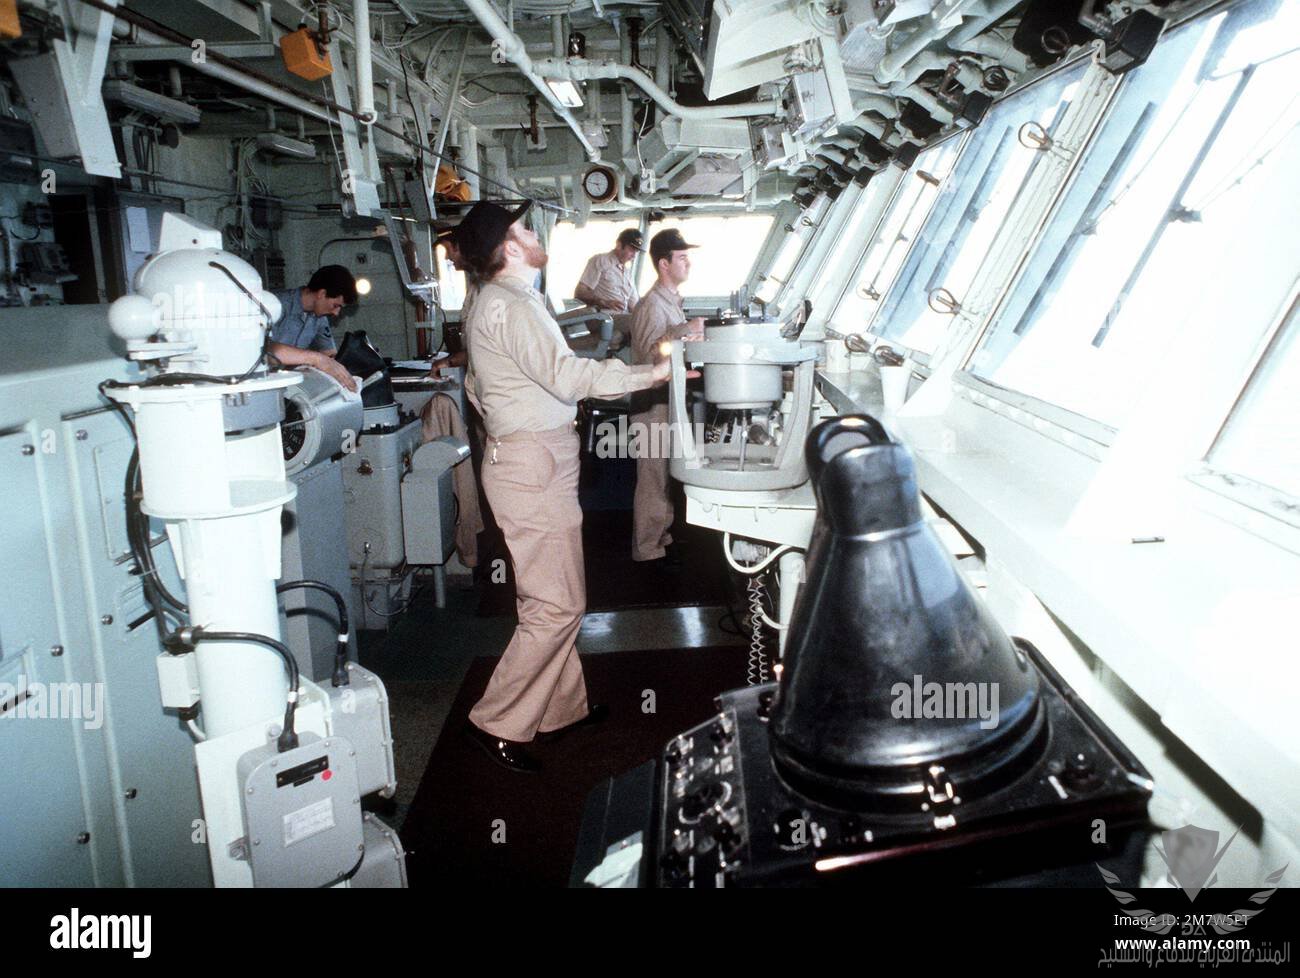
(728, 246)
(968, 212)
(907, 212)
(1181, 226)
(1257, 453)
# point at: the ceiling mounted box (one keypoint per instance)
(675, 140)
(749, 41)
(708, 176)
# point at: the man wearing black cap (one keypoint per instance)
(526, 383)
(302, 335)
(606, 282)
(658, 317)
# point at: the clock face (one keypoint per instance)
(599, 184)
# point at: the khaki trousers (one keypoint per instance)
(531, 482)
(652, 507)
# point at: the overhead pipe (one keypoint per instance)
(469, 156)
(893, 64)
(213, 69)
(132, 26)
(919, 65)
(992, 46)
(451, 98)
(882, 105)
(512, 46)
(559, 46)
(928, 102)
(576, 69)
(628, 139)
(361, 55)
(663, 58)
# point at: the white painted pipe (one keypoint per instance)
(992, 46)
(928, 102)
(559, 48)
(880, 104)
(663, 58)
(469, 155)
(931, 29)
(575, 69)
(918, 66)
(363, 66)
(512, 47)
(625, 114)
(791, 569)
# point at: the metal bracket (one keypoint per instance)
(63, 90)
(240, 50)
(424, 291)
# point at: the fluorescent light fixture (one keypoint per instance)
(282, 145)
(363, 286)
(151, 103)
(566, 92)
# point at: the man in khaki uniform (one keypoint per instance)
(606, 282)
(526, 382)
(658, 317)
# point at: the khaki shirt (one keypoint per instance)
(611, 281)
(658, 316)
(522, 376)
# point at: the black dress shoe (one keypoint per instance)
(596, 713)
(507, 753)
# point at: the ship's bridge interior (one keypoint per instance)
(987, 381)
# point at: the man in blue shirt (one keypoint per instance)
(302, 335)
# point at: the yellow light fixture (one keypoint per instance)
(363, 286)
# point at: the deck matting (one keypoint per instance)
(464, 799)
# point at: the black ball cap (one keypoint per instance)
(663, 244)
(631, 236)
(483, 229)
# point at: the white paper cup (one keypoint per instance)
(893, 385)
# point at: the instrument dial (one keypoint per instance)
(600, 184)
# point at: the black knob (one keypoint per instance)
(701, 800)
(726, 835)
(675, 866)
(1080, 773)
